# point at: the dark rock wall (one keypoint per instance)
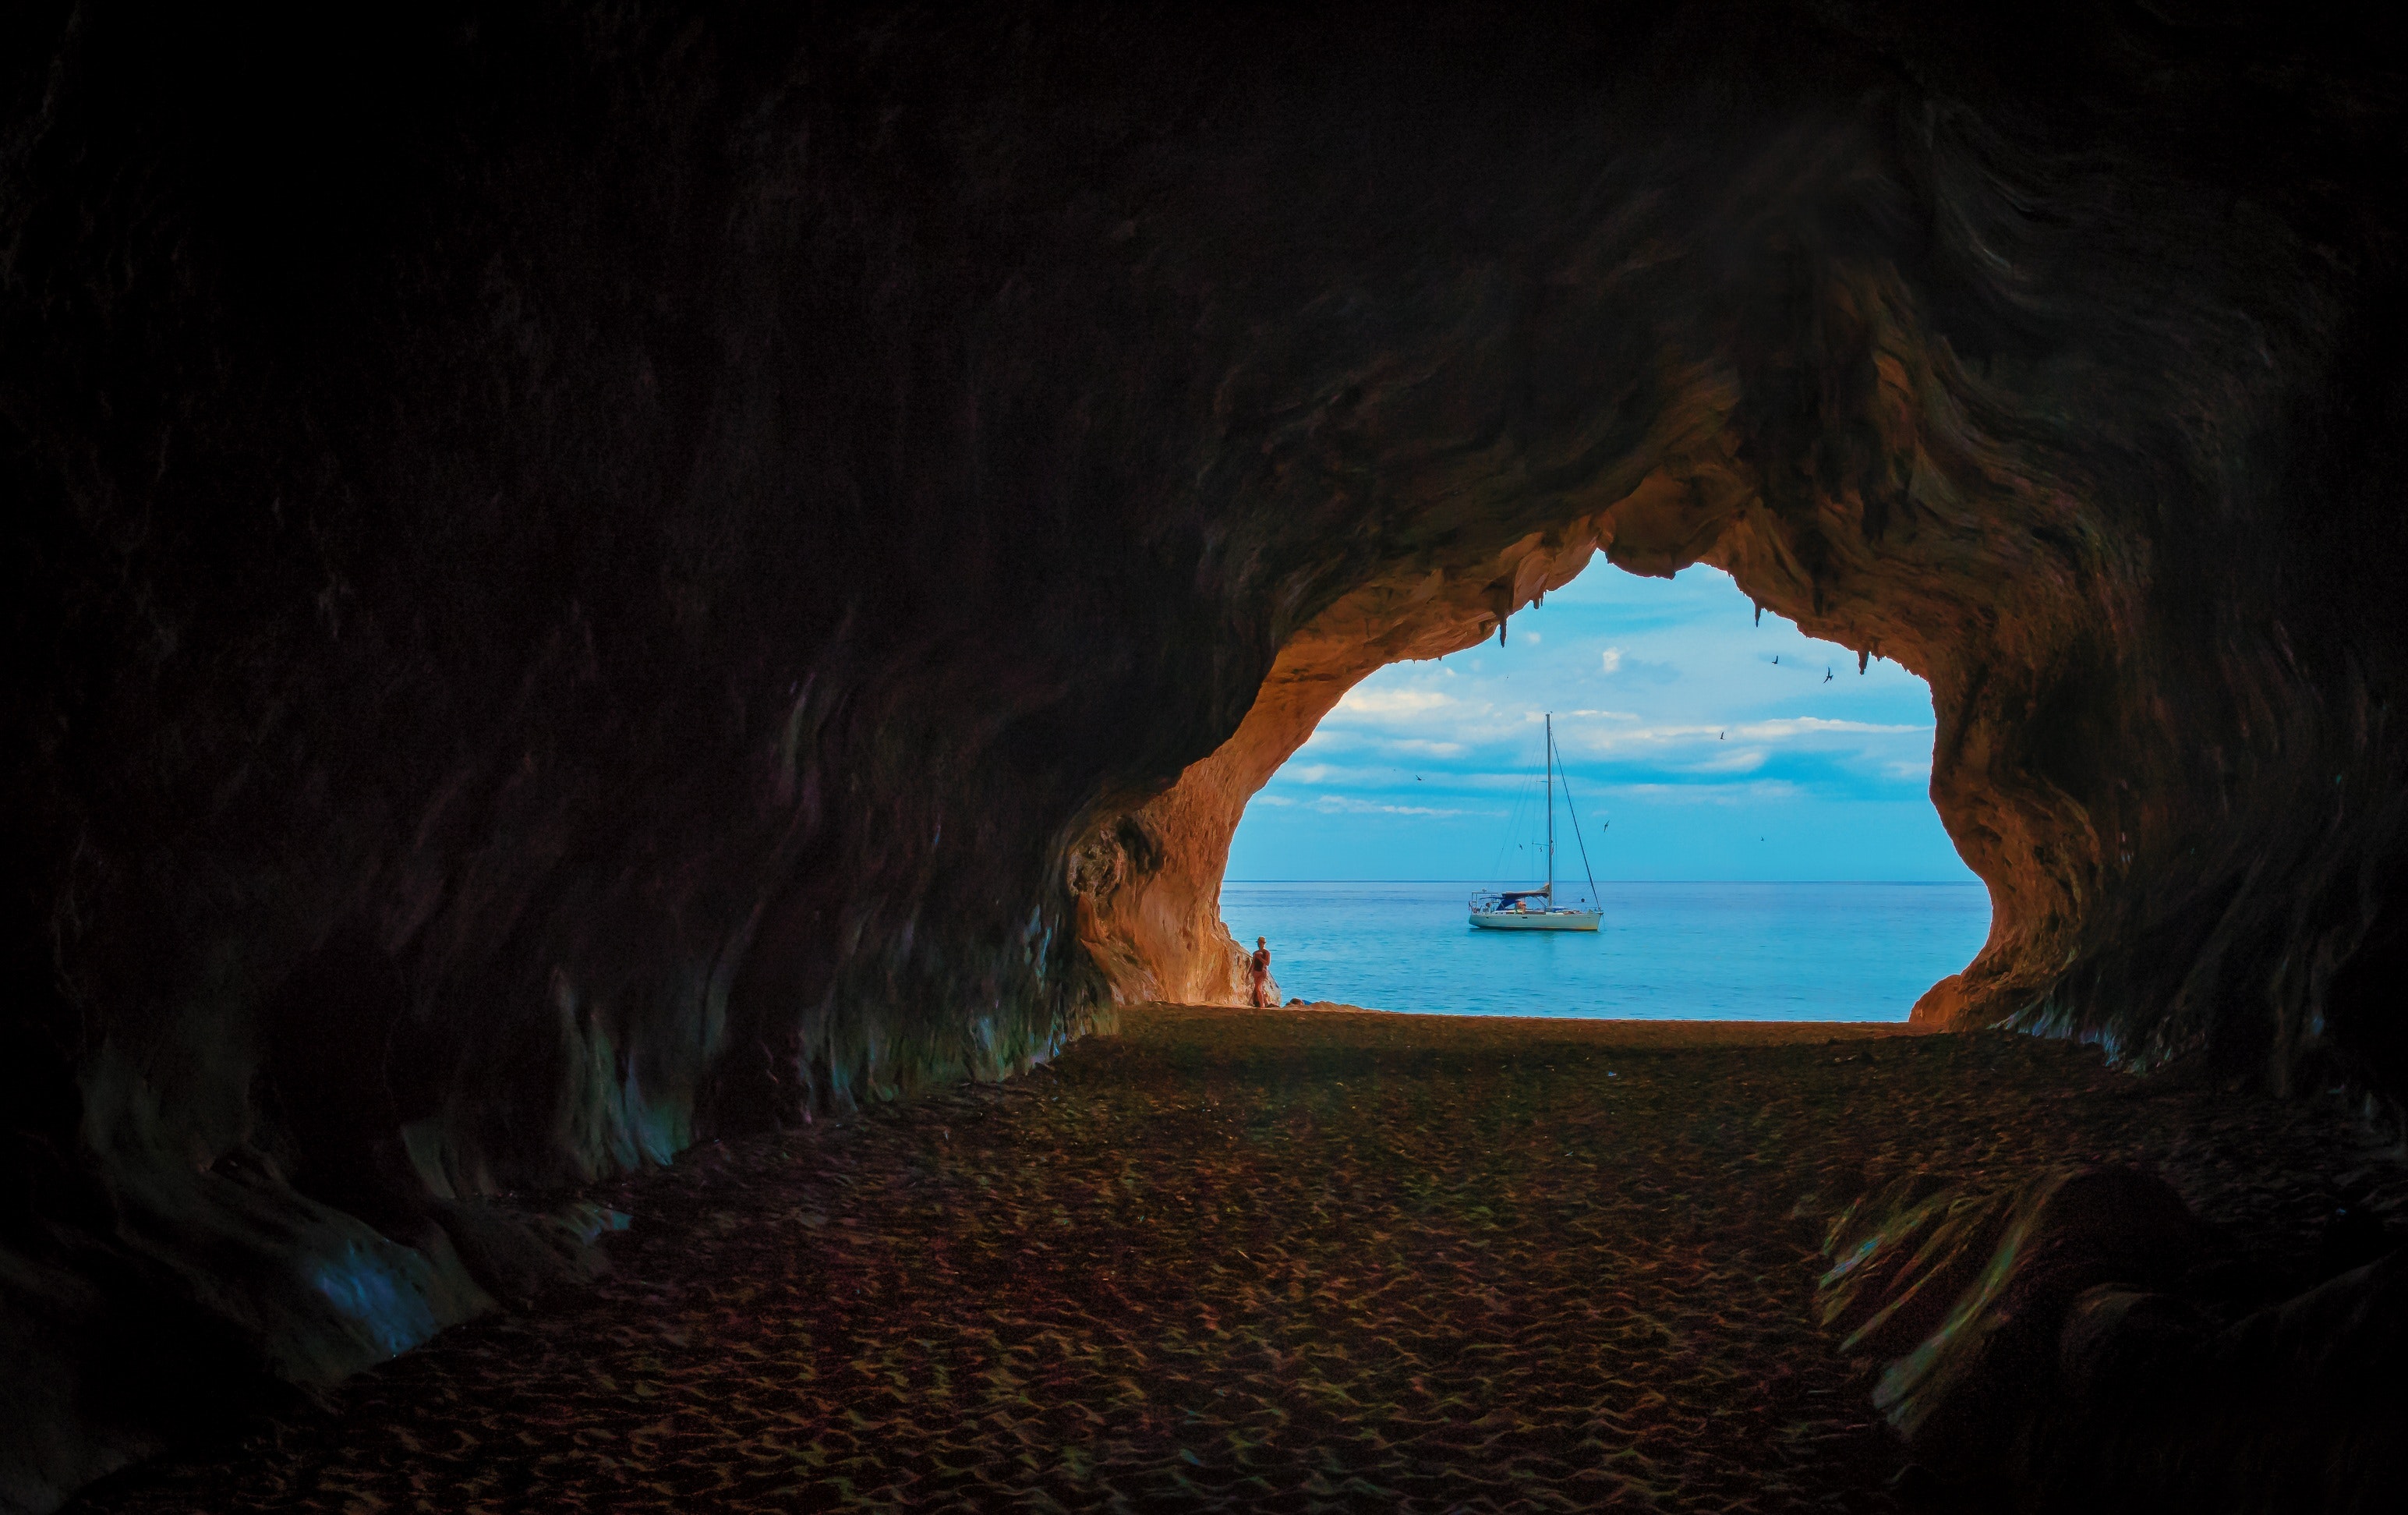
(2063, 1346)
(579, 578)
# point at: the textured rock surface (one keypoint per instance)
(1980, 1292)
(577, 579)
(2059, 1344)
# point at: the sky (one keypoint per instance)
(1698, 743)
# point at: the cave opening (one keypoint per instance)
(1753, 803)
(644, 632)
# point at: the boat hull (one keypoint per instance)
(1535, 921)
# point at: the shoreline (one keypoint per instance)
(1664, 1032)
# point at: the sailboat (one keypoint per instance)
(1535, 910)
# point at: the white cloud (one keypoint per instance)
(1496, 781)
(1787, 728)
(1613, 740)
(1341, 804)
(1365, 700)
(1740, 760)
(1700, 716)
(1337, 776)
(1762, 791)
(1806, 725)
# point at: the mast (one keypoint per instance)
(1551, 807)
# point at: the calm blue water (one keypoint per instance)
(1665, 951)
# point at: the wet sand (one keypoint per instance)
(1269, 1260)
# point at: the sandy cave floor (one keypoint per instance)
(1275, 1261)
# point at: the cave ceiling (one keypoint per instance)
(578, 580)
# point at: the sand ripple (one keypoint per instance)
(1258, 1262)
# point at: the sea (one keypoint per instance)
(1662, 952)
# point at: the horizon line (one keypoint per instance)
(1959, 883)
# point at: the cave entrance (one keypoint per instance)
(1755, 805)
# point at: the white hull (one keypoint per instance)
(1536, 920)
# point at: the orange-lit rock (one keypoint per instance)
(581, 580)
(2010, 598)
(1148, 882)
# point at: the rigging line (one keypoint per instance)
(1582, 840)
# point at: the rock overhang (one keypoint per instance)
(754, 566)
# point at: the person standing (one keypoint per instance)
(1261, 965)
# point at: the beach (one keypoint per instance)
(1271, 1261)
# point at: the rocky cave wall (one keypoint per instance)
(578, 580)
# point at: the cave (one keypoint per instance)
(587, 585)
